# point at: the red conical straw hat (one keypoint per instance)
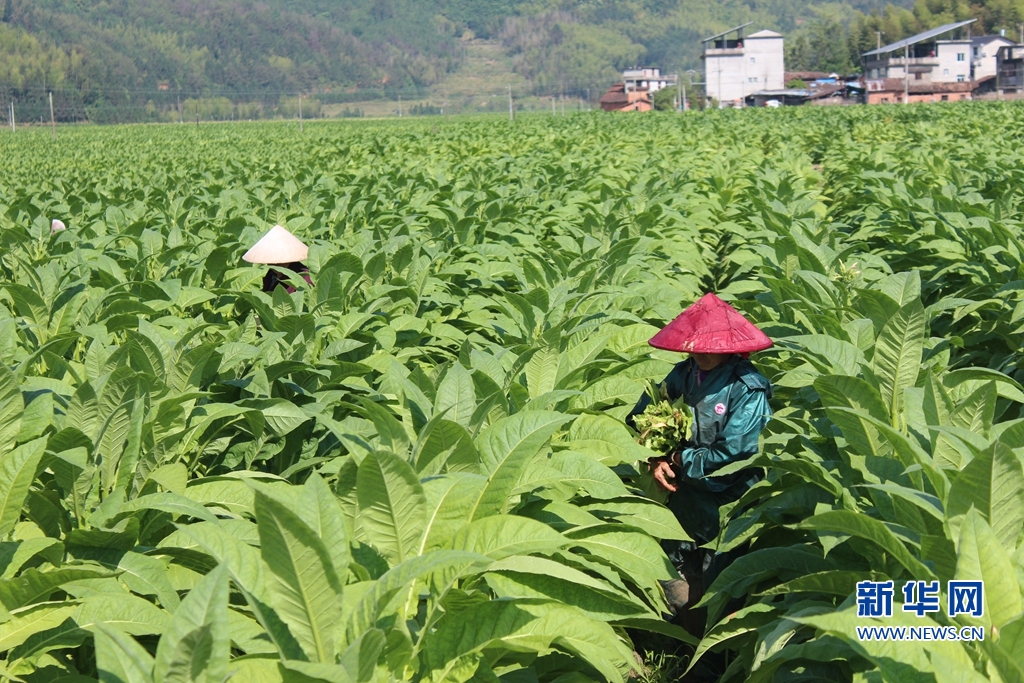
(711, 326)
(278, 246)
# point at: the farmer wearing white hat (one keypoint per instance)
(284, 250)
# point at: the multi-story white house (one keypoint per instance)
(649, 79)
(984, 50)
(736, 67)
(923, 58)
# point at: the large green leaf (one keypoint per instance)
(247, 571)
(897, 357)
(446, 564)
(36, 585)
(445, 446)
(17, 471)
(993, 483)
(507, 447)
(119, 659)
(449, 503)
(527, 626)
(12, 406)
(536, 577)
(499, 536)
(456, 395)
(642, 513)
(981, 557)
(628, 549)
(862, 526)
(392, 507)
(306, 590)
(205, 606)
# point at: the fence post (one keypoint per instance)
(53, 124)
(12, 114)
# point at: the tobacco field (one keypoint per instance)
(417, 469)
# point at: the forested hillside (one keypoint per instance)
(137, 52)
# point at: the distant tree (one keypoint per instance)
(819, 46)
(665, 99)
(797, 84)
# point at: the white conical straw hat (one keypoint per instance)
(276, 247)
(56, 225)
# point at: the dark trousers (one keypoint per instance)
(696, 508)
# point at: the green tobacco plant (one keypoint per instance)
(416, 469)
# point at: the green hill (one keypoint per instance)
(144, 56)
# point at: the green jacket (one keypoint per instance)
(730, 408)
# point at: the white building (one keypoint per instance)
(649, 79)
(983, 55)
(740, 66)
(954, 62)
(927, 59)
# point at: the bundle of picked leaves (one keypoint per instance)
(664, 426)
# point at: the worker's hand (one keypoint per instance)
(662, 471)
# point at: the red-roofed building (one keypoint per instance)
(618, 98)
(891, 91)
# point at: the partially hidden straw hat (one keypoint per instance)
(56, 225)
(711, 326)
(278, 246)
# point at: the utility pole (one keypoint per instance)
(179, 109)
(563, 98)
(878, 40)
(511, 112)
(906, 75)
(679, 92)
(399, 105)
(300, 113)
(12, 114)
(447, 107)
(53, 124)
(553, 112)
(588, 99)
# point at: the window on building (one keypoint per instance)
(961, 57)
(753, 60)
(945, 72)
(917, 76)
(976, 52)
(960, 78)
(945, 98)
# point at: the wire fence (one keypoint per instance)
(41, 105)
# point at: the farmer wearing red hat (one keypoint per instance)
(729, 401)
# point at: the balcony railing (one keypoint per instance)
(723, 51)
(902, 61)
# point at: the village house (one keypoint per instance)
(923, 58)
(984, 55)
(636, 90)
(893, 91)
(737, 66)
(1010, 69)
